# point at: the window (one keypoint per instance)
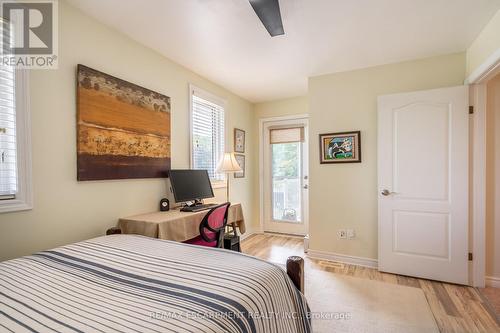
(8, 156)
(207, 132)
(286, 173)
(15, 161)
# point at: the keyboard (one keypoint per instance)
(197, 208)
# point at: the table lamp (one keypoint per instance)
(227, 165)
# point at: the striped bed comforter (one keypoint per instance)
(126, 283)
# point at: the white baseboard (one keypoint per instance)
(283, 234)
(492, 281)
(247, 235)
(330, 256)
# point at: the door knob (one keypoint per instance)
(386, 192)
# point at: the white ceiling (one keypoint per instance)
(224, 41)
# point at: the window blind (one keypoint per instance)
(286, 135)
(208, 136)
(8, 156)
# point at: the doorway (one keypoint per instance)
(479, 80)
(284, 183)
(491, 292)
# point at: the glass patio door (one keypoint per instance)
(285, 176)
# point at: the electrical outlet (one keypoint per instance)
(342, 234)
(351, 234)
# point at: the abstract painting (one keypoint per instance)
(344, 147)
(123, 130)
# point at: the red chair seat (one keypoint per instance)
(212, 227)
(200, 241)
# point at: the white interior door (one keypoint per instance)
(423, 184)
(285, 176)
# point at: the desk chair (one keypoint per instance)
(212, 227)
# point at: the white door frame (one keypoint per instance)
(261, 164)
(477, 81)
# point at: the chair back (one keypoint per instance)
(213, 224)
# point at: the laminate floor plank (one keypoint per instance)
(456, 308)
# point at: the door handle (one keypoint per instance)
(386, 192)
(306, 187)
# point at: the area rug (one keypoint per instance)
(346, 304)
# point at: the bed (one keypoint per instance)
(129, 283)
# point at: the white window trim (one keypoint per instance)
(194, 90)
(24, 196)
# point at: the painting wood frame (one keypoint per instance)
(239, 140)
(241, 161)
(123, 130)
(355, 142)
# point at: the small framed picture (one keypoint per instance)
(239, 140)
(241, 161)
(343, 147)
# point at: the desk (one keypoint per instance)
(174, 224)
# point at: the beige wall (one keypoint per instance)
(345, 195)
(341, 196)
(493, 179)
(486, 43)
(283, 107)
(66, 210)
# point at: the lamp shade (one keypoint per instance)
(228, 164)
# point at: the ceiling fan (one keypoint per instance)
(269, 13)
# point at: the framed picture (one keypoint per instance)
(241, 161)
(123, 130)
(344, 147)
(239, 140)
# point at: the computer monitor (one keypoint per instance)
(189, 185)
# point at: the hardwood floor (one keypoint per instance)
(456, 308)
(492, 297)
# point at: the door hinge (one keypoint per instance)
(471, 109)
(470, 256)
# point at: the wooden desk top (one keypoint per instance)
(174, 224)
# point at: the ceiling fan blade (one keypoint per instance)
(269, 13)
